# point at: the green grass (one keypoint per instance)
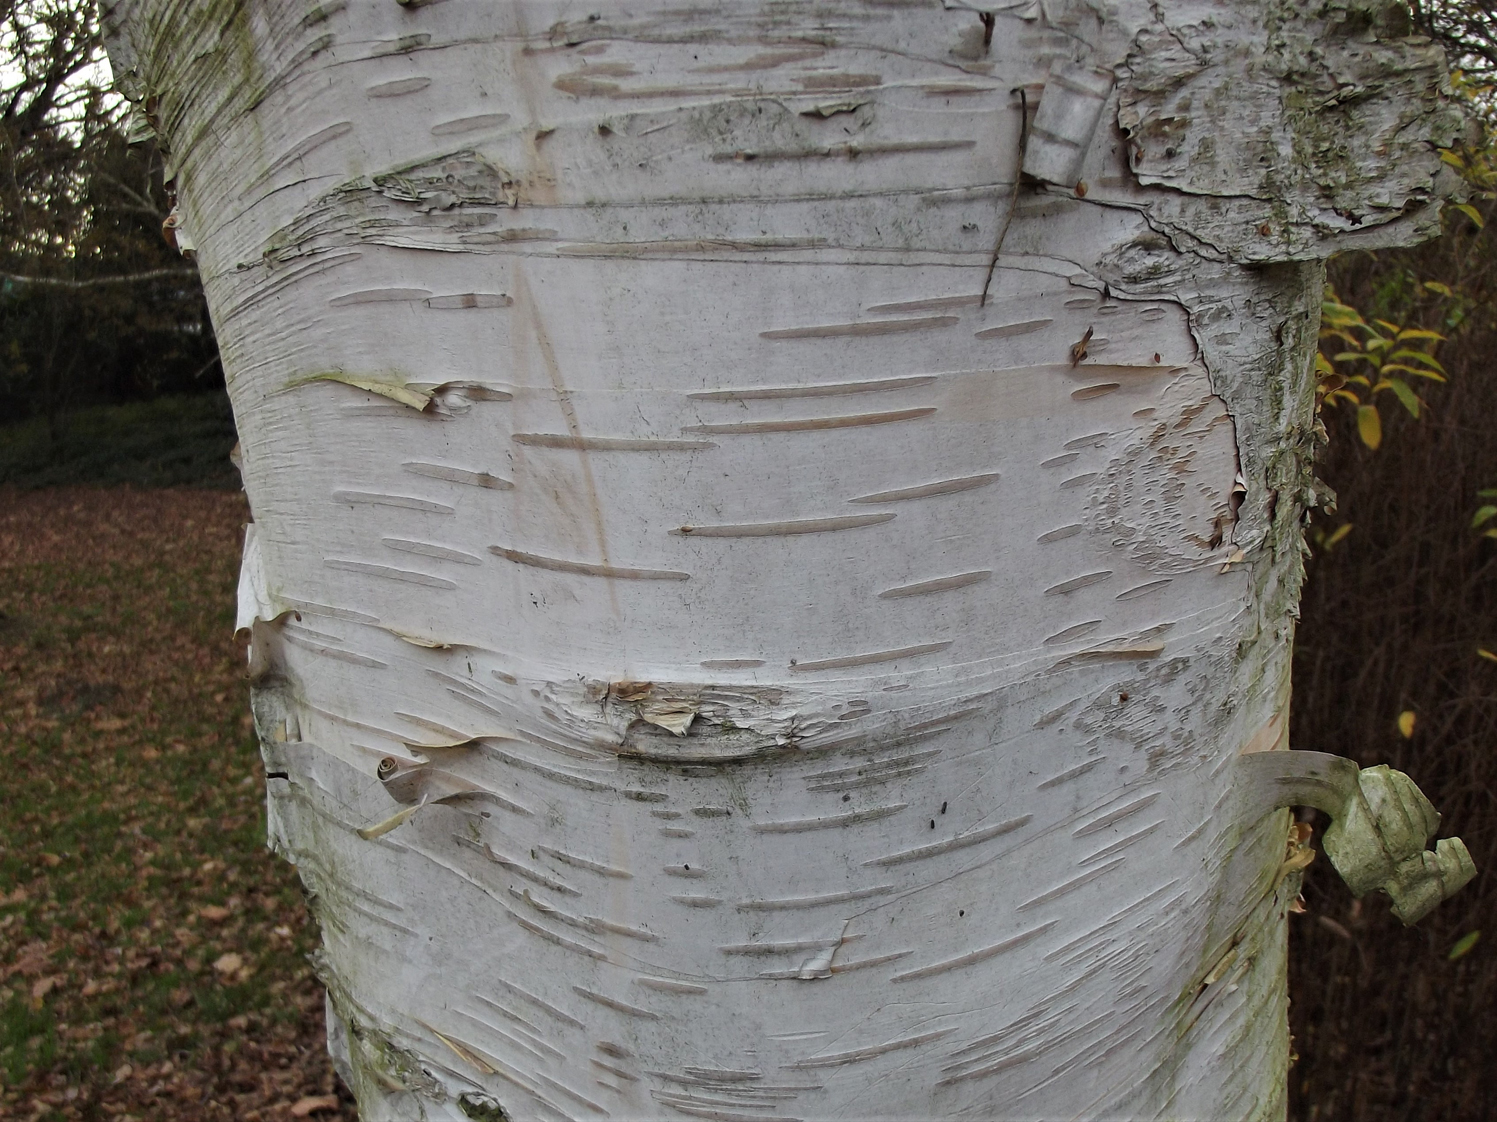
(181, 441)
(152, 952)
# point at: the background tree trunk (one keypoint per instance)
(758, 606)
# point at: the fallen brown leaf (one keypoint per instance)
(32, 960)
(228, 963)
(51, 860)
(119, 913)
(44, 986)
(312, 1104)
(214, 913)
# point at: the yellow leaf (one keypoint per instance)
(399, 818)
(1472, 213)
(1463, 945)
(395, 392)
(1416, 372)
(1337, 536)
(1486, 654)
(1452, 159)
(1406, 721)
(462, 1051)
(1427, 359)
(1369, 426)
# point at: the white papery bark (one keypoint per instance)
(712, 663)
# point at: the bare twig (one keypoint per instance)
(1013, 198)
(94, 282)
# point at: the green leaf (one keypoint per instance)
(1463, 945)
(1420, 332)
(1401, 391)
(1483, 514)
(1441, 289)
(1348, 356)
(1369, 426)
(1415, 371)
(1419, 356)
(1472, 213)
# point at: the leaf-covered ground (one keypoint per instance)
(152, 952)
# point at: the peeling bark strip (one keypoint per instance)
(636, 774)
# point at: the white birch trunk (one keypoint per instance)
(710, 662)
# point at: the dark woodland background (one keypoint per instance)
(1386, 1024)
(109, 375)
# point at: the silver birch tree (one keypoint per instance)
(777, 531)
